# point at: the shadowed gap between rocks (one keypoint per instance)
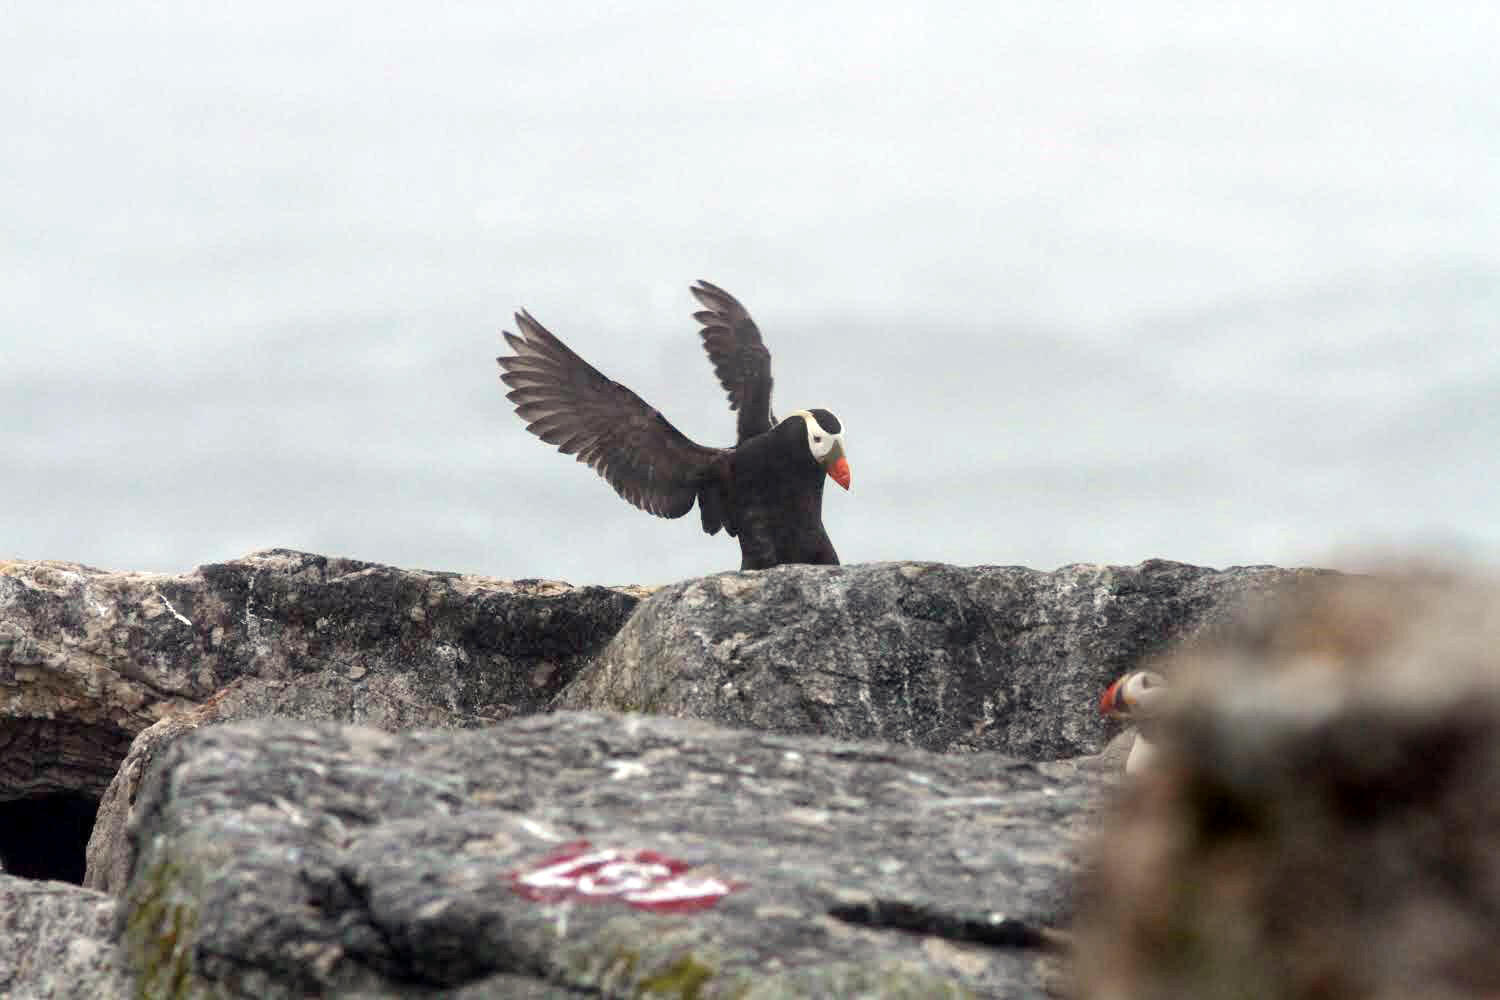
(53, 773)
(992, 929)
(45, 837)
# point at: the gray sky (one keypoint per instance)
(1085, 282)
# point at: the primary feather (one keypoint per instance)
(739, 356)
(569, 403)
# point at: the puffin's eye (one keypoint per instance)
(817, 439)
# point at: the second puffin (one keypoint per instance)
(767, 490)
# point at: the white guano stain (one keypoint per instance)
(168, 604)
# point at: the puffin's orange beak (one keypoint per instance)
(839, 472)
(1107, 704)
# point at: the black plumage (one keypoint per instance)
(767, 490)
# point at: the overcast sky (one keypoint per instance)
(1085, 282)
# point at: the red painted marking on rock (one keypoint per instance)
(643, 879)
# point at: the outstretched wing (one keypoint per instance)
(739, 357)
(567, 402)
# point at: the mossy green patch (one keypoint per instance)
(158, 936)
(682, 980)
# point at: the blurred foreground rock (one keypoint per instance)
(936, 656)
(1325, 822)
(276, 859)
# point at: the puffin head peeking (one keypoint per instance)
(825, 440)
(1137, 697)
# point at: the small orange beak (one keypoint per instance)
(1107, 705)
(839, 472)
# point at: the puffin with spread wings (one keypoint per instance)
(767, 490)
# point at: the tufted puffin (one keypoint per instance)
(767, 490)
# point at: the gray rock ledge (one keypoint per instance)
(89, 658)
(931, 655)
(276, 859)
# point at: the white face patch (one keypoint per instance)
(820, 442)
(1143, 691)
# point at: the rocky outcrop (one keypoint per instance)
(1324, 816)
(90, 658)
(276, 859)
(56, 942)
(279, 859)
(940, 656)
(118, 651)
(936, 656)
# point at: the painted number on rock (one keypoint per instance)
(643, 879)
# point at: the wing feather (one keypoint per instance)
(739, 356)
(569, 403)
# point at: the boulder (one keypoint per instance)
(88, 658)
(1323, 819)
(620, 856)
(55, 942)
(930, 655)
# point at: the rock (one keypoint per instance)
(1324, 817)
(936, 656)
(279, 859)
(55, 942)
(963, 658)
(107, 854)
(317, 697)
(90, 658)
(314, 698)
